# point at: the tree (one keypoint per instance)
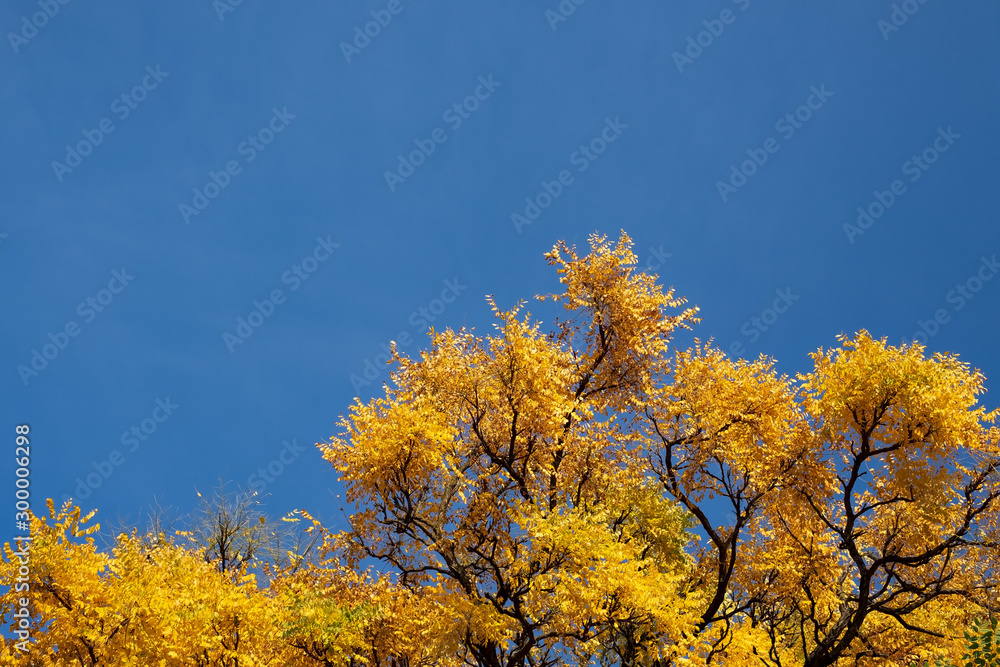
(136, 605)
(723, 438)
(889, 541)
(539, 487)
(590, 496)
(336, 615)
(229, 528)
(162, 603)
(494, 477)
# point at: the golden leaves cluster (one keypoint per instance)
(167, 605)
(592, 495)
(594, 492)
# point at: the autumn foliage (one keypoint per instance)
(590, 495)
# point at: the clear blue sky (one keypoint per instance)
(287, 135)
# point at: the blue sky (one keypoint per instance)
(249, 155)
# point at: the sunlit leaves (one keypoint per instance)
(589, 496)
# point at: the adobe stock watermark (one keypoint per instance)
(265, 475)
(914, 168)
(898, 17)
(294, 277)
(223, 7)
(454, 115)
(420, 320)
(959, 297)
(657, 258)
(562, 12)
(133, 438)
(88, 309)
(249, 149)
(122, 107)
(787, 125)
(758, 324)
(696, 44)
(381, 18)
(38, 20)
(581, 158)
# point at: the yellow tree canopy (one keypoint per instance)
(495, 475)
(167, 605)
(591, 495)
(541, 488)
